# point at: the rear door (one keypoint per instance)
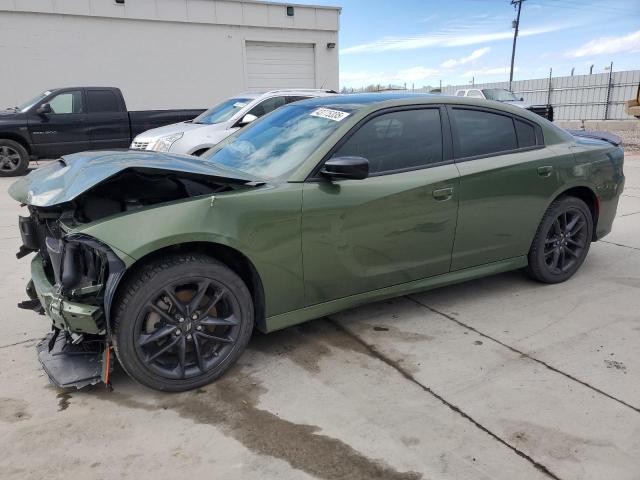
(393, 227)
(62, 131)
(107, 120)
(507, 177)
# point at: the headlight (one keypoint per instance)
(163, 144)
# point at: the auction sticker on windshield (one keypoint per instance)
(335, 115)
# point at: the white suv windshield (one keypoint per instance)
(499, 94)
(222, 112)
(279, 142)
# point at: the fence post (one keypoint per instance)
(606, 107)
(549, 89)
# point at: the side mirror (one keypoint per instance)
(44, 109)
(522, 99)
(355, 168)
(247, 119)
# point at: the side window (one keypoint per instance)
(461, 93)
(526, 134)
(297, 99)
(102, 101)
(269, 105)
(481, 133)
(397, 140)
(67, 102)
(474, 94)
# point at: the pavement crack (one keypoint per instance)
(383, 358)
(619, 244)
(526, 355)
(19, 343)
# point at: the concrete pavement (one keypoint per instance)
(499, 378)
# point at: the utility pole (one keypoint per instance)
(516, 25)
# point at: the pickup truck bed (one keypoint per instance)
(69, 120)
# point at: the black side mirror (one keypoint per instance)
(355, 168)
(44, 109)
(522, 99)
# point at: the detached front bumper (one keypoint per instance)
(65, 314)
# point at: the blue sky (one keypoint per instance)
(423, 42)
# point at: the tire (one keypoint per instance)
(561, 242)
(168, 339)
(14, 158)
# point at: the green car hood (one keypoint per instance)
(65, 179)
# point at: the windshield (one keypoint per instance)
(279, 142)
(222, 112)
(499, 94)
(27, 105)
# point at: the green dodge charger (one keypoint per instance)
(168, 262)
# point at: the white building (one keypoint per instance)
(165, 53)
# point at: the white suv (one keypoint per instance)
(196, 136)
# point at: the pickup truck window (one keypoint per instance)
(222, 112)
(37, 99)
(100, 101)
(67, 102)
(474, 94)
(499, 94)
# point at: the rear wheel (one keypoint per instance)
(562, 241)
(181, 322)
(14, 158)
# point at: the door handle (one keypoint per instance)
(443, 194)
(545, 171)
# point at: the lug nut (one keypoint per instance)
(178, 331)
(199, 327)
(189, 337)
(194, 316)
(181, 319)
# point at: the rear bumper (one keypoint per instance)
(65, 314)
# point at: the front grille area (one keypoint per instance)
(139, 145)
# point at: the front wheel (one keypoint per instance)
(14, 158)
(181, 322)
(562, 241)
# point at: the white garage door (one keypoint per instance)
(280, 65)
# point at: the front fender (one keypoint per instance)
(263, 224)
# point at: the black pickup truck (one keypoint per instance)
(68, 120)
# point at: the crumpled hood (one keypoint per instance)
(65, 179)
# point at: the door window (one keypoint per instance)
(269, 105)
(482, 133)
(397, 140)
(474, 94)
(67, 102)
(100, 101)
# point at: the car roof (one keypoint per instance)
(287, 91)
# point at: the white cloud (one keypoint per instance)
(452, 63)
(625, 43)
(447, 38)
(410, 75)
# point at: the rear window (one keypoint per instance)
(482, 133)
(526, 134)
(102, 101)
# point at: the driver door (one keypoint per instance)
(393, 227)
(62, 131)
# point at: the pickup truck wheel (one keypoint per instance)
(181, 322)
(562, 241)
(14, 158)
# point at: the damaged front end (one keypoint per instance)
(73, 280)
(74, 275)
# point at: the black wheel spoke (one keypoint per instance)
(571, 225)
(215, 338)
(197, 298)
(176, 303)
(165, 316)
(162, 350)
(562, 260)
(571, 241)
(156, 335)
(210, 321)
(199, 355)
(214, 300)
(571, 252)
(555, 259)
(181, 350)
